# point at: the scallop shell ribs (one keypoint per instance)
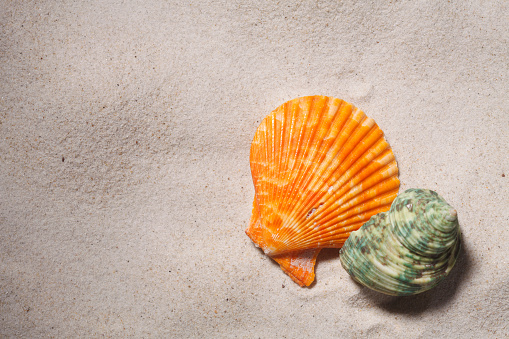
(320, 169)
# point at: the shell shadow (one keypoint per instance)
(326, 254)
(436, 298)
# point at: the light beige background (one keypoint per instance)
(125, 186)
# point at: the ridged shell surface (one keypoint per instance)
(407, 250)
(320, 169)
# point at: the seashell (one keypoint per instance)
(407, 250)
(320, 169)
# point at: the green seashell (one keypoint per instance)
(408, 249)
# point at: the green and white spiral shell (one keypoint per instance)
(408, 249)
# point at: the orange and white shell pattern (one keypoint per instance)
(320, 169)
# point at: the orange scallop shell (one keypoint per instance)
(320, 169)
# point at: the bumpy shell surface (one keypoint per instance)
(320, 169)
(407, 250)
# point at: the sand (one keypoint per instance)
(125, 185)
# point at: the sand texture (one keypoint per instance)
(125, 186)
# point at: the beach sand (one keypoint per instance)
(125, 185)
